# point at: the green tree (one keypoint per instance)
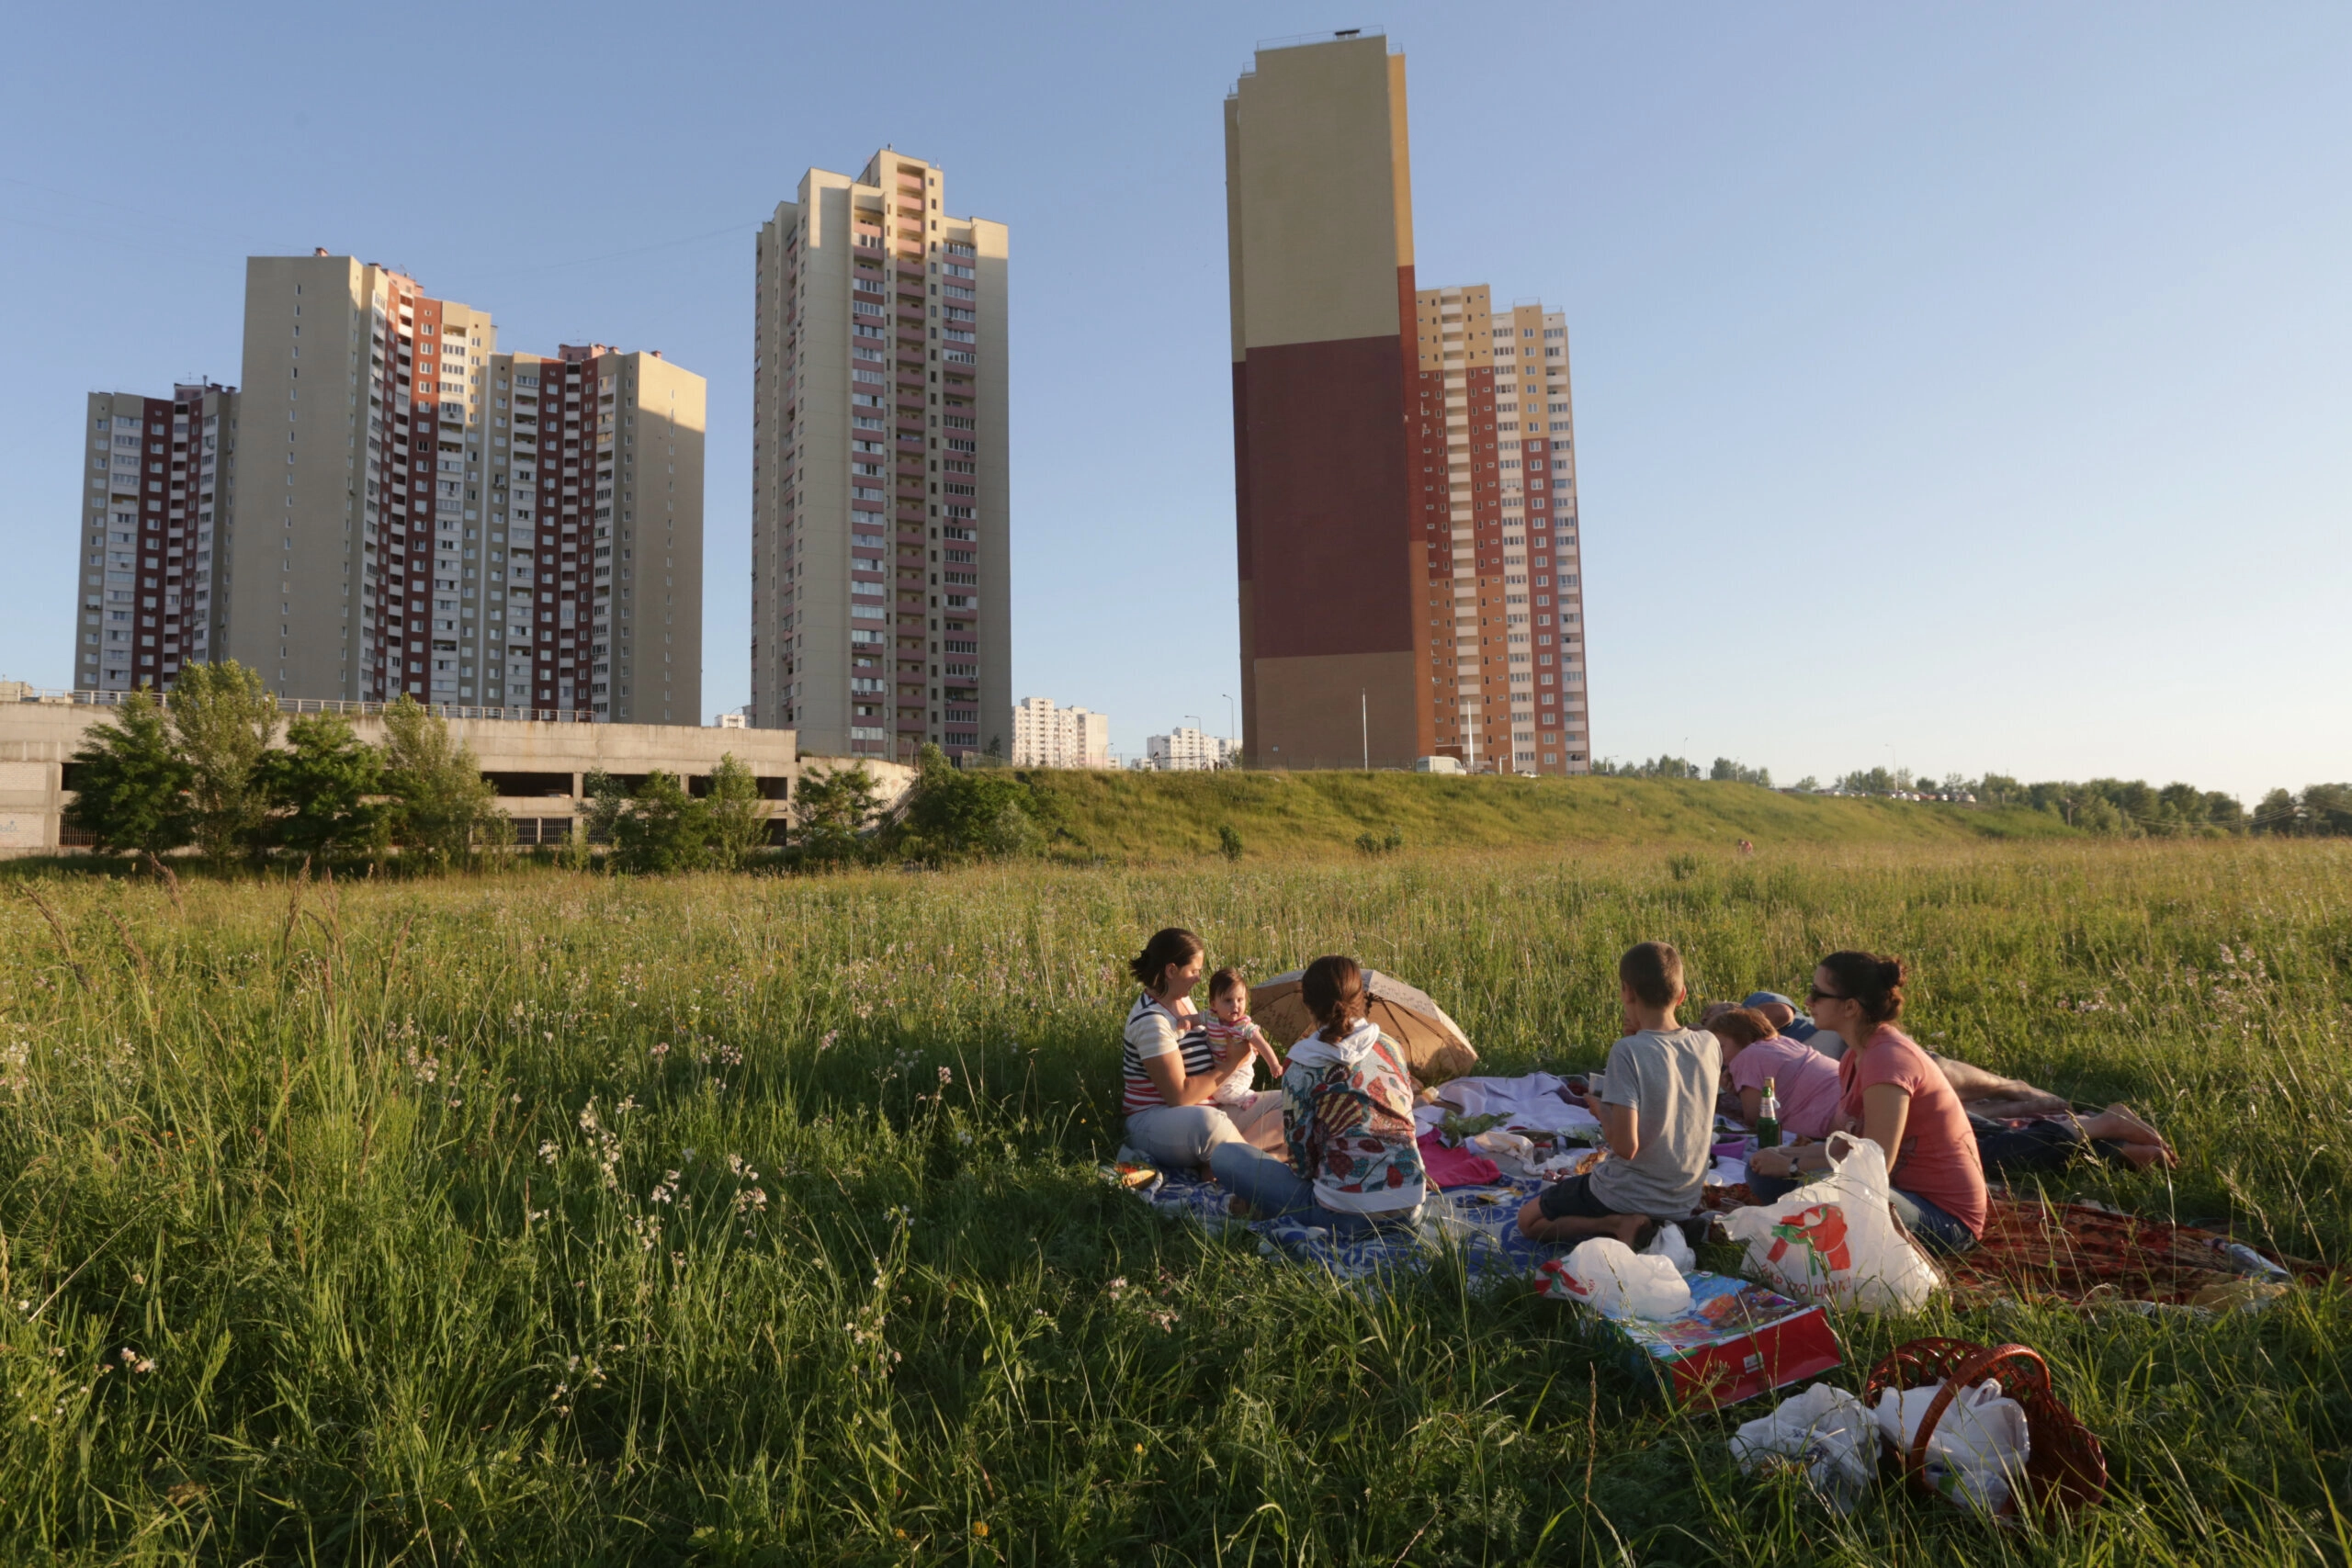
(953, 813)
(130, 787)
(319, 784)
(2327, 809)
(831, 809)
(735, 817)
(2277, 815)
(441, 807)
(223, 719)
(664, 829)
(1739, 773)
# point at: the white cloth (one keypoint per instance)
(1532, 1103)
(1977, 1451)
(1825, 1428)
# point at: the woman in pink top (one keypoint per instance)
(1894, 1095)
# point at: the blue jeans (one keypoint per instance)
(1273, 1191)
(1939, 1231)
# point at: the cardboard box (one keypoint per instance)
(1736, 1340)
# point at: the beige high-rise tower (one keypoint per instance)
(152, 515)
(1406, 520)
(880, 582)
(369, 554)
(596, 500)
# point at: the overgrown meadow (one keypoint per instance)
(544, 1218)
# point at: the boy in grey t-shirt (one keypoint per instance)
(1657, 1111)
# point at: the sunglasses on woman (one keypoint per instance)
(1818, 995)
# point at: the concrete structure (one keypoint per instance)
(1369, 622)
(1508, 671)
(1185, 749)
(880, 569)
(595, 498)
(161, 483)
(368, 554)
(541, 767)
(1046, 735)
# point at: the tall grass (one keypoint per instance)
(548, 1219)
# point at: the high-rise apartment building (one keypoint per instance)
(595, 498)
(1046, 735)
(880, 572)
(1496, 470)
(1380, 617)
(384, 560)
(160, 474)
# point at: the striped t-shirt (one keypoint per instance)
(1153, 1030)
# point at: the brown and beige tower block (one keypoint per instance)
(147, 595)
(880, 534)
(1408, 588)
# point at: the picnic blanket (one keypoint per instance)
(1478, 1224)
(2035, 1249)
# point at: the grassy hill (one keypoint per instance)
(1139, 816)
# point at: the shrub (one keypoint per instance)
(129, 786)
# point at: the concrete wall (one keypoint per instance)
(36, 739)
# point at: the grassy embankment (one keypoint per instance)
(552, 1220)
(1131, 817)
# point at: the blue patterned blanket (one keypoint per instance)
(1478, 1226)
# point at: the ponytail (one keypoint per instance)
(1173, 945)
(1332, 989)
(1873, 980)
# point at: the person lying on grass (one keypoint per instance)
(1657, 1108)
(1171, 1071)
(1806, 1084)
(1347, 1120)
(1892, 1094)
(2038, 1143)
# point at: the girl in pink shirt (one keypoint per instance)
(1803, 1080)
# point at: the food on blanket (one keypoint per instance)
(1459, 1129)
(1128, 1174)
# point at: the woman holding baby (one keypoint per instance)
(1184, 1093)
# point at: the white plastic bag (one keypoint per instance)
(1675, 1247)
(1835, 1240)
(1827, 1431)
(1977, 1452)
(1616, 1282)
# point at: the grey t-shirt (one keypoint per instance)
(1669, 1077)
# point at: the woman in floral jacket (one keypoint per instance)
(1347, 1120)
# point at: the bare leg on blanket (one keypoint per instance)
(1626, 1228)
(1989, 1094)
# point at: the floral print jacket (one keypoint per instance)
(1348, 1122)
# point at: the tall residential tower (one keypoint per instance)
(160, 476)
(384, 560)
(880, 585)
(1385, 498)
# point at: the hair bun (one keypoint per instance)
(1890, 973)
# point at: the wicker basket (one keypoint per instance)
(2067, 1469)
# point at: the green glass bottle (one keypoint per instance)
(1768, 1117)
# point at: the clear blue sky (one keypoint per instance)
(1963, 388)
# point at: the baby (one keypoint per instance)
(1230, 1029)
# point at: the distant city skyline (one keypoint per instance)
(1956, 390)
